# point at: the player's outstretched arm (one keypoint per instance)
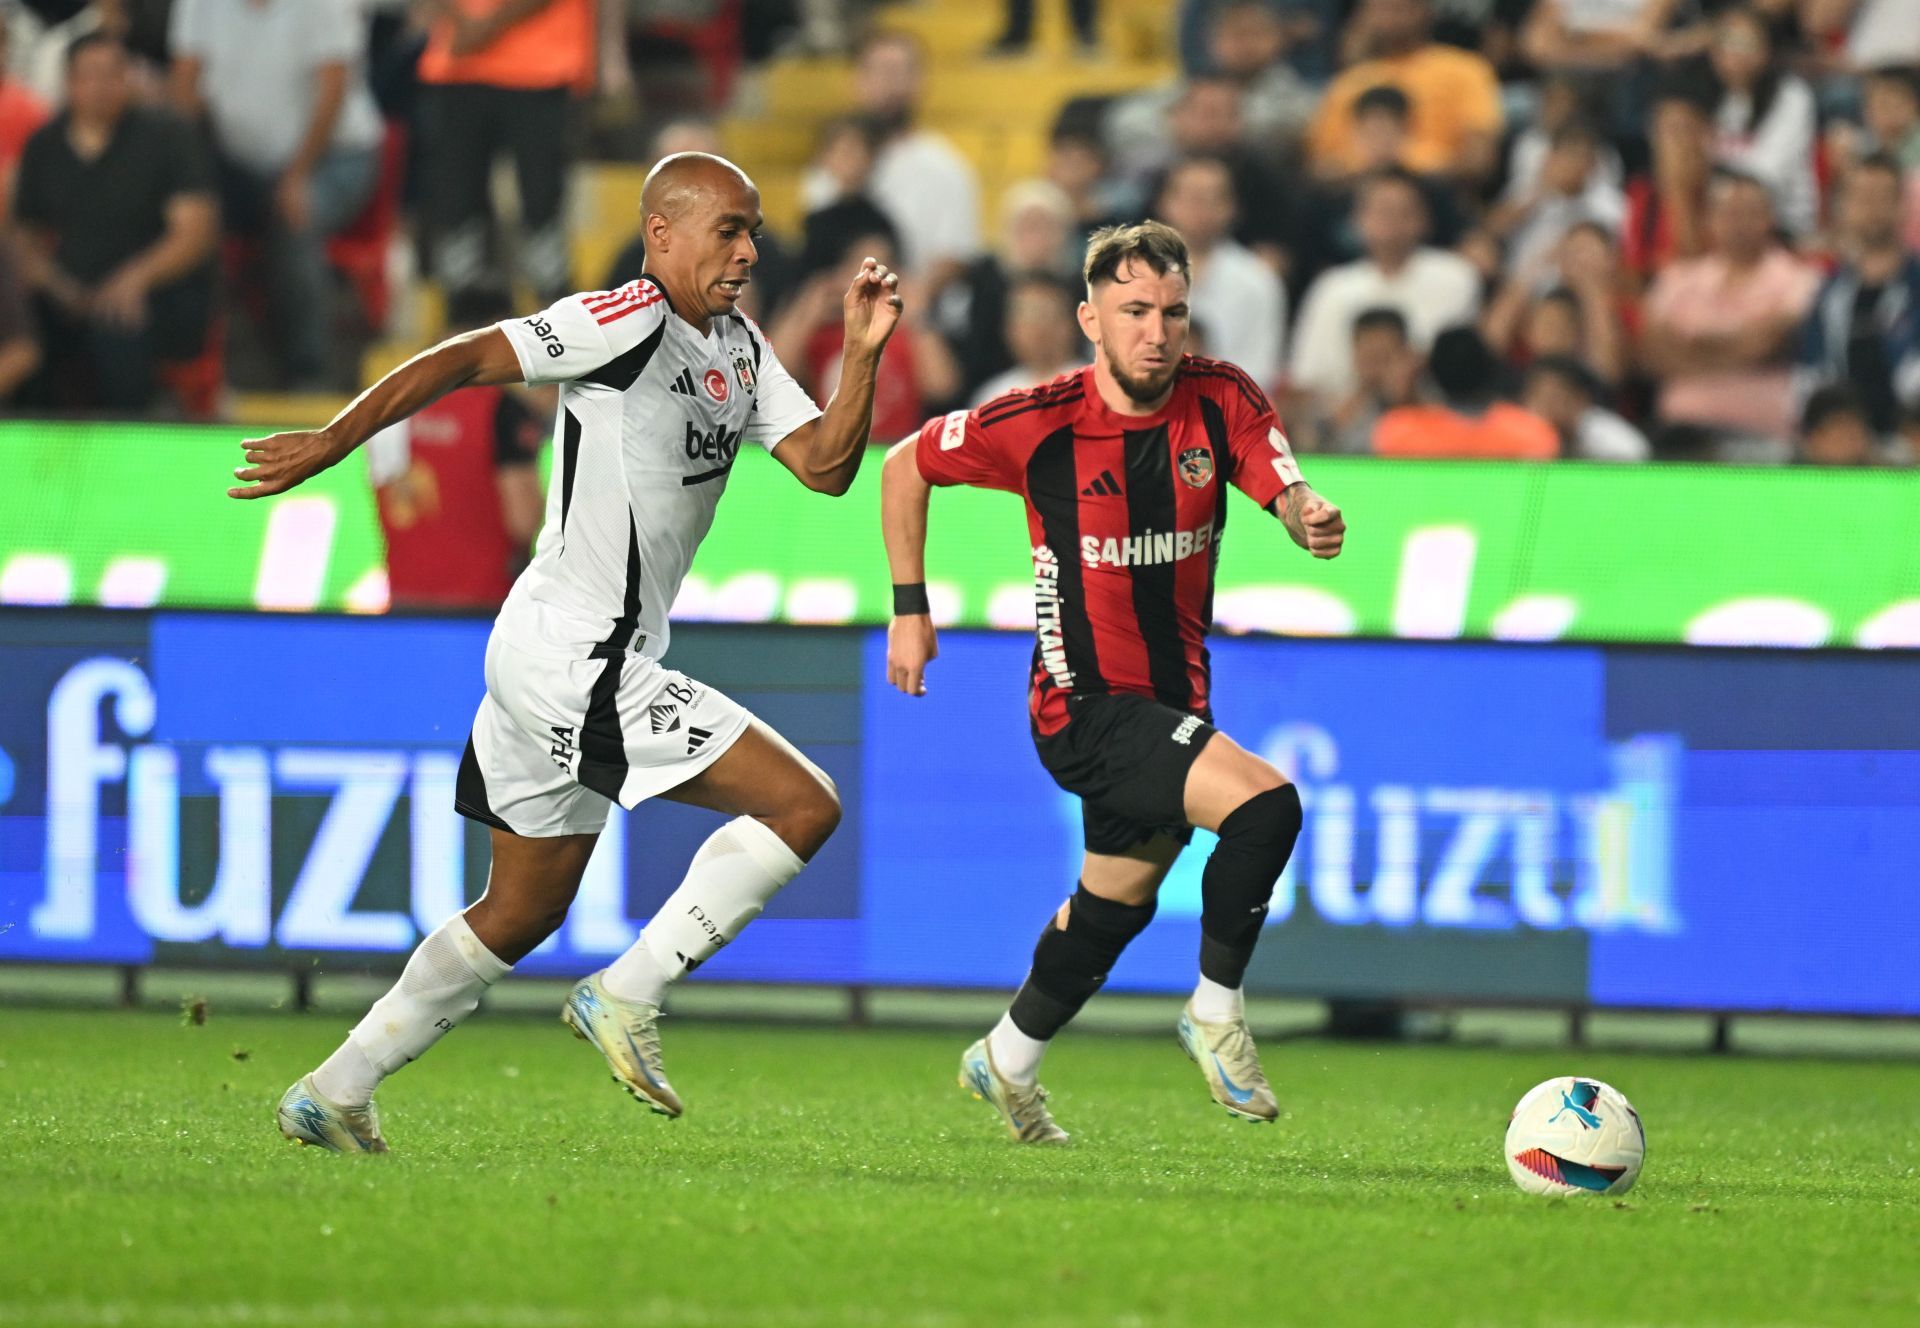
(825, 454)
(911, 642)
(277, 463)
(1315, 524)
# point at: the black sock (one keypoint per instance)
(1255, 841)
(1070, 965)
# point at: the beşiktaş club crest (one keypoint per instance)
(1196, 466)
(743, 370)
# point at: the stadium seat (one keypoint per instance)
(360, 251)
(199, 384)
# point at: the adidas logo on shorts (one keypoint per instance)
(664, 718)
(696, 739)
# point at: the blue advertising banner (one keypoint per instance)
(1728, 830)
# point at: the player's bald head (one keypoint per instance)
(689, 184)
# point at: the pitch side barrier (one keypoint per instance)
(135, 516)
(1582, 827)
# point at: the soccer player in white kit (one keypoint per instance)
(660, 381)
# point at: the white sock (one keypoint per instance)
(1015, 1055)
(439, 987)
(742, 865)
(1215, 1004)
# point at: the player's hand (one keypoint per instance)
(872, 306)
(1315, 524)
(277, 463)
(911, 644)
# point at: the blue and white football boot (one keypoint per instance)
(306, 1117)
(1226, 1056)
(1022, 1110)
(627, 1033)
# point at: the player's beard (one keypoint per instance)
(1143, 390)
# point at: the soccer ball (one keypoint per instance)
(1575, 1136)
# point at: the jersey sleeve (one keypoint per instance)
(585, 335)
(780, 405)
(1263, 464)
(958, 449)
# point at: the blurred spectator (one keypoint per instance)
(41, 31)
(1386, 374)
(917, 373)
(1431, 288)
(1381, 117)
(115, 224)
(1835, 430)
(1870, 32)
(1594, 34)
(1718, 326)
(1584, 315)
(1035, 234)
(1231, 291)
(1017, 31)
(1564, 392)
(1271, 104)
(1864, 329)
(1890, 106)
(1043, 333)
(1456, 98)
(19, 331)
(926, 187)
(1080, 166)
(1766, 120)
(1564, 99)
(498, 77)
(21, 112)
(1570, 188)
(1471, 421)
(458, 486)
(1666, 206)
(296, 144)
(1205, 121)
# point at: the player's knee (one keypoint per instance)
(1072, 962)
(812, 818)
(1261, 830)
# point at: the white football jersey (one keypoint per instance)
(651, 416)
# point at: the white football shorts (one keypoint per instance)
(557, 741)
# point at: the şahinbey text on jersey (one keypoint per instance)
(1146, 549)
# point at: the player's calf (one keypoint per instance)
(1256, 839)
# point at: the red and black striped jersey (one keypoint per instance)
(1125, 514)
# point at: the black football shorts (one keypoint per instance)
(1126, 757)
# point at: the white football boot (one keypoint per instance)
(306, 1117)
(1022, 1110)
(1227, 1058)
(628, 1035)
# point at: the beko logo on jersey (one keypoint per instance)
(548, 337)
(720, 445)
(1145, 550)
(1046, 615)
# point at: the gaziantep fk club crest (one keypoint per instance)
(1196, 466)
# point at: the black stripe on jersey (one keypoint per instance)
(1054, 491)
(1151, 507)
(1215, 421)
(1256, 399)
(688, 481)
(620, 371)
(752, 341)
(470, 791)
(1019, 403)
(620, 639)
(569, 462)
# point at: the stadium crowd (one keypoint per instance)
(1609, 229)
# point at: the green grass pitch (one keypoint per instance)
(839, 1177)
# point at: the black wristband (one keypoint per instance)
(910, 599)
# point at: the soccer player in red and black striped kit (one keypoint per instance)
(1124, 466)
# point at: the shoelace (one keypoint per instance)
(646, 1036)
(1237, 1045)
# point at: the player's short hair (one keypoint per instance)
(1153, 243)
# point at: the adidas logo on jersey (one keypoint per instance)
(664, 718)
(683, 384)
(696, 739)
(1104, 487)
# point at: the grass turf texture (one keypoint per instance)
(827, 1178)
